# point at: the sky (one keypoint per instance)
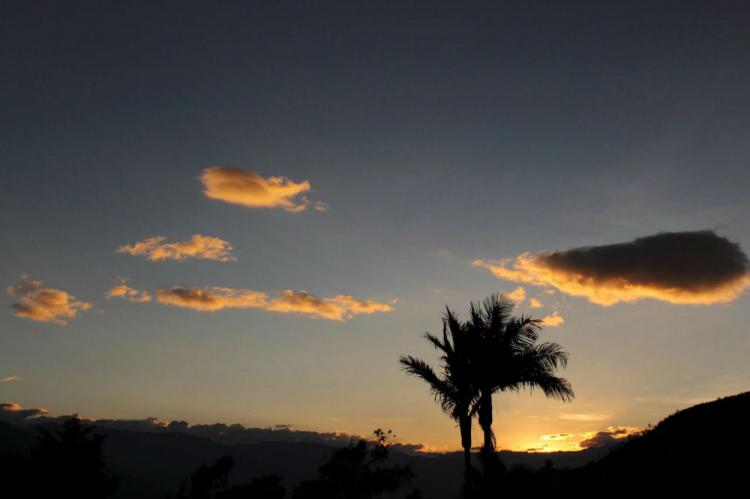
(247, 211)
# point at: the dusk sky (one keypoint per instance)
(323, 178)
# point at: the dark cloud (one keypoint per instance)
(698, 267)
(10, 412)
(608, 437)
(601, 439)
(230, 434)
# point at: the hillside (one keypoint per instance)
(699, 449)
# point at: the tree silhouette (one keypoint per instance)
(491, 352)
(455, 388)
(356, 472)
(69, 463)
(212, 482)
(207, 481)
(264, 487)
(506, 357)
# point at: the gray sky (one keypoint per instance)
(435, 133)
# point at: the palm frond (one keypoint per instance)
(552, 386)
(443, 346)
(446, 394)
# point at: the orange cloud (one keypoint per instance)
(679, 267)
(45, 304)
(199, 247)
(518, 295)
(11, 379)
(339, 308)
(535, 303)
(212, 299)
(237, 186)
(128, 293)
(553, 320)
(585, 417)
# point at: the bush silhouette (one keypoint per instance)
(64, 463)
(356, 472)
(212, 482)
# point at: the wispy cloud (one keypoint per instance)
(678, 267)
(45, 304)
(127, 293)
(246, 188)
(535, 303)
(321, 206)
(556, 436)
(199, 247)
(11, 379)
(553, 320)
(213, 299)
(585, 417)
(518, 295)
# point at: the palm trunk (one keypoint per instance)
(464, 423)
(485, 420)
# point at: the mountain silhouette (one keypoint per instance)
(701, 448)
(151, 464)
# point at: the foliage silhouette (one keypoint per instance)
(356, 472)
(212, 482)
(505, 357)
(207, 481)
(353, 472)
(455, 388)
(491, 352)
(15, 476)
(64, 463)
(69, 462)
(265, 487)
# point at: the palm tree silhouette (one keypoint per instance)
(505, 357)
(454, 388)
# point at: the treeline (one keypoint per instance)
(69, 463)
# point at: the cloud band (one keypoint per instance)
(213, 299)
(697, 267)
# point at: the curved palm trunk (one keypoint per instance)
(464, 424)
(485, 420)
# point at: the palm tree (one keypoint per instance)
(506, 357)
(453, 388)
